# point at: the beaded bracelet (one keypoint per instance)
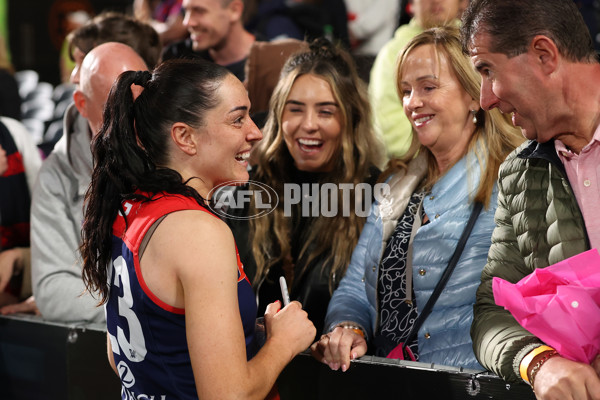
(536, 368)
(356, 329)
(524, 366)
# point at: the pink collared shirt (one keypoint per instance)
(583, 170)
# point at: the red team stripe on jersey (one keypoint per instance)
(241, 273)
(149, 293)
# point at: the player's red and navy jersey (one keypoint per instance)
(148, 336)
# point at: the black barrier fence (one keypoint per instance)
(41, 360)
(380, 378)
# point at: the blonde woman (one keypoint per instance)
(411, 235)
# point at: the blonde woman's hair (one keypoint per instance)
(333, 238)
(499, 136)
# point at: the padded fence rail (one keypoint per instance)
(381, 378)
(41, 360)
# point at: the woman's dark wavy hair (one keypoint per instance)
(131, 150)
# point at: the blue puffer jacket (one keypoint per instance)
(447, 327)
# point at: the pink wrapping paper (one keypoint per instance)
(559, 304)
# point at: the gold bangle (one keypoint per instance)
(524, 366)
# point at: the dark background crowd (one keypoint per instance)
(36, 29)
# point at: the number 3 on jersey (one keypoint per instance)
(134, 348)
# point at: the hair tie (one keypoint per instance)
(141, 78)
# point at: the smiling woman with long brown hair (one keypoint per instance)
(318, 132)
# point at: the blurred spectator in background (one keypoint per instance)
(57, 207)
(390, 122)
(20, 162)
(371, 24)
(165, 16)
(106, 27)
(217, 34)
(57, 204)
(10, 101)
(114, 27)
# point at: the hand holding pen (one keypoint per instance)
(284, 291)
(260, 322)
(293, 320)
